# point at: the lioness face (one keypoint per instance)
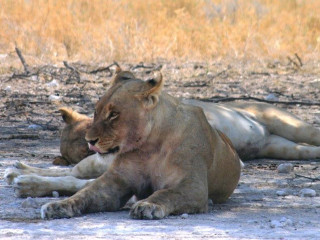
(121, 120)
(73, 146)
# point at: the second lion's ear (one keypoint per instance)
(121, 76)
(70, 116)
(150, 96)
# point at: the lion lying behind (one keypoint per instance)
(256, 130)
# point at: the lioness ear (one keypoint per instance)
(121, 76)
(150, 97)
(70, 116)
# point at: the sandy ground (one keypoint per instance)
(29, 132)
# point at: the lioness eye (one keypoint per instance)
(113, 115)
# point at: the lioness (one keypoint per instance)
(158, 149)
(73, 146)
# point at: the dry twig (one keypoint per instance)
(299, 59)
(230, 99)
(107, 68)
(310, 178)
(293, 62)
(23, 61)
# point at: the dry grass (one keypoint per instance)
(144, 30)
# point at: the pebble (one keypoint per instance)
(54, 98)
(285, 168)
(272, 97)
(34, 127)
(282, 223)
(210, 75)
(184, 216)
(53, 83)
(34, 78)
(307, 192)
(315, 83)
(8, 89)
(3, 56)
(286, 221)
(282, 193)
(275, 224)
(29, 203)
(55, 194)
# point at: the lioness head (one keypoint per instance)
(73, 146)
(122, 118)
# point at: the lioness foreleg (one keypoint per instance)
(109, 192)
(91, 167)
(39, 186)
(23, 169)
(171, 201)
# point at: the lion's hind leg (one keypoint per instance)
(282, 148)
(282, 123)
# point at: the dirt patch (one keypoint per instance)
(266, 204)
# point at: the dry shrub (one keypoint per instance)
(145, 30)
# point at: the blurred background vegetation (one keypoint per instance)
(147, 30)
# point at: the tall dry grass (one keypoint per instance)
(144, 30)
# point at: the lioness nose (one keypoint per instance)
(93, 142)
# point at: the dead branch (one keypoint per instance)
(74, 72)
(293, 62)
(20, 136)
(310, 178)
(107, 68)
(23, 61)
(299, 59)
(65, 63)
(45, 126)
(231, 99)
(141, 65)
(222, 72)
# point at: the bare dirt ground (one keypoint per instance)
(29, 132)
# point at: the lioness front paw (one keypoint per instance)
(10, 174)
(147, 210)
(30, 186)
(59, 209)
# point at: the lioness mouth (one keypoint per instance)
(112, 150)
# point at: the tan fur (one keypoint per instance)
(73, 146)
(166, 154)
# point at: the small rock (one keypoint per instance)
(53, 83)
(184, 216)
(3, 56)
(34, 78)
(285, 168)
(307, 192)
(54, 98)
(55, 194)
(8, 89)
(275, 224)
(315, 83)
(286, 221)
(29, 203)
(34, 127)
(210, 74)
(282, 193)
(282, 183)
(272, 97)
